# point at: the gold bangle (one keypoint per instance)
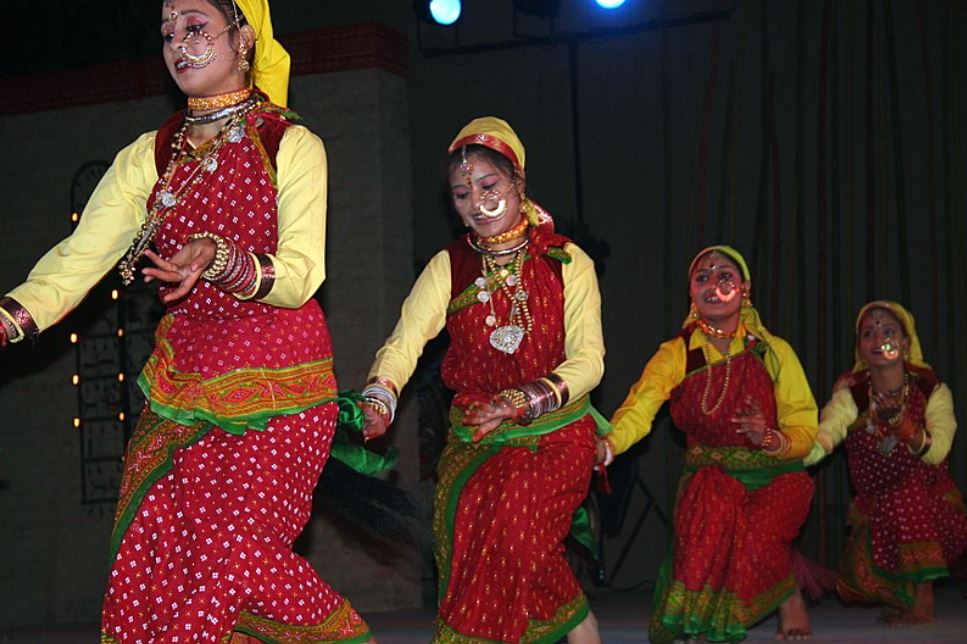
(220, 260)
(378, 406)
(925, 444)
(768, 437)
(517, 398)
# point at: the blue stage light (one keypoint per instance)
(445, 12)
(610, 4)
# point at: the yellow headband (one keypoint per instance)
(493, 133)
(270, 68)
(729, 252)
(747, 313)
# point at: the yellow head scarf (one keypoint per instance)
(496, 134)
(915, 354)
(270, 67)
(748, 313)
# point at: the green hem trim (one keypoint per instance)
(453, 499)
(914, 576)
(123, 522)
(566, 626)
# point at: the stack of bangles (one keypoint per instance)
(235, 270)
(536, 398)
(773, 441)
(380, 395)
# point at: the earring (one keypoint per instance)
(746, 300)
(693, 312)
(243, 65)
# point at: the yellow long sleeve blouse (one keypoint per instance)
(423, 316)
(117, 208)
(795, 405)
(841, 412)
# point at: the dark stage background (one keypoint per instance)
(821, 138)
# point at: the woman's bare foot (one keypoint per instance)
(921, 613)
(586, 632)
(793, 620)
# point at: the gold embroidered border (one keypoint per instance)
(148, 456)
(458, 462)
(731, 458)
(726, 616)
(235, 400)
(547, 631)
(343, 625)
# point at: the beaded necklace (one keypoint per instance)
(506, 338)
(888, 440)
(708, 382)
(713, 332)
(167, 198)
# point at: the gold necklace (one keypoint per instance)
(506, 338)
(713, 332)
(708, 382)
(506, 236)
(888, 439)
(166, 199)
(218, 101)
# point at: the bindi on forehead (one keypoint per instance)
(881, 319)
(715, 262)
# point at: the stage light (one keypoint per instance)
(445, 12)
(610, 4)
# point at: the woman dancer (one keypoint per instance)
(742, 399)
(522, 309)
(897, 421)
(228, 201)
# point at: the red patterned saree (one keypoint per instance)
(737, 509)
(219, 474)
(504, 505)
(908, 522)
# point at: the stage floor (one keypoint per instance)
(623, 618)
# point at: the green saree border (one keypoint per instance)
(130, 500)
(547, 631)
(730, 625)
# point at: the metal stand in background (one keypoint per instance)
(624, 505)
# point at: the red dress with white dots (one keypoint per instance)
(502, 511)
(737, 510)
(220, 470)
(908, 523)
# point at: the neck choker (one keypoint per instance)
(225, 112)
(712, 331)
(218, 101)
(483, 250)
(517, 231)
